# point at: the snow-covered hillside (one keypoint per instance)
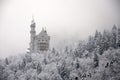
(96, 59)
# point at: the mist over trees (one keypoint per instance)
(97, 58)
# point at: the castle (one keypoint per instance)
(38, 42)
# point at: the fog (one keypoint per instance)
(65, 20)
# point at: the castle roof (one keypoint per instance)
(42, 34)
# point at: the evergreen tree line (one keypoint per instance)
(101, 41)
(104, 41)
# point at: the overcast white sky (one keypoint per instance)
(63, 19)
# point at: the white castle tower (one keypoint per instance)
(38, 42)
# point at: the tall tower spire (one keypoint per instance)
(33, 25)
(32, 20)
(32, 35)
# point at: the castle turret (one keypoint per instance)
(32, 35)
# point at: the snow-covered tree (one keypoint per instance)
(80, 62)
(80, 49)
(39, 68)
(110, 65)
(64, 71)
(105, 44)
(1, 71)
(6, 61)
(113, 38)
(90, 44)
(118, 38)
(97, 39)
(96, 60)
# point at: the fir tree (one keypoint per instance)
(77, 65)
(80, 49)
(53, 50)
(96, 60)
(39, 68)
(90, 45)
(118, 38)
(97, 39)
(113, 37)
(105, 44)
(6, 61)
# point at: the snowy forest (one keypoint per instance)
(97, 58)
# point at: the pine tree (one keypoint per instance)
(80, 49)
(96, 34)
(97, 38)
(77, 65)
(96, 60)
(1, 72)
(23, 64)
(45, 61)
(63, 71)
(118, 38)
(90, 44)
(39, 68)
(113, 38)
(6, 61)
(53, 50)
(106, 37)
(105, 42)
